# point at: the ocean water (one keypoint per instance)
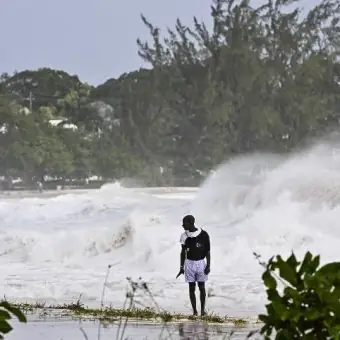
(56, 249)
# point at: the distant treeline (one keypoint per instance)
(260, 79)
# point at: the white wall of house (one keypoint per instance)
(55, 122)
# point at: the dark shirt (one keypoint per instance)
(196, 247)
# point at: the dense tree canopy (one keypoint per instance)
(258, 79)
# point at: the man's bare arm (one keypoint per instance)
(182, 256)
(208, 259)
(208, 250)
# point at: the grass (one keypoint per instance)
(108, 314)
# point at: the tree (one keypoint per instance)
(82, 151)
(42, 87)
(38, 155)
(112, 162)
(33, 148)
(258, 80)
(142, 117)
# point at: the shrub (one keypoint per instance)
(308, 306)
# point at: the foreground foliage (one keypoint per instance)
(260, 78)
(308, 306)
(6, 309)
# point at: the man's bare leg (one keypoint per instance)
(192, 287)
(201, 286)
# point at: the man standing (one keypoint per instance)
(195, 249)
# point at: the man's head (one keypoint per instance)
(188, 222)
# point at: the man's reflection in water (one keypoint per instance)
(203, 331)
(193, 330)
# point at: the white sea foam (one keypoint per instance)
(54, 249)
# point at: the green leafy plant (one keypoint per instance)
(6, 309)
(308, 305)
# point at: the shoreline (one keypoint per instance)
(69, 322)
(45, 194)
(15, 194)
(135, 315)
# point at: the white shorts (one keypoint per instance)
(194, 271)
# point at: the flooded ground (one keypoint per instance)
(39, 329)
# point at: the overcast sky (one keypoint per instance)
(95, 39)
